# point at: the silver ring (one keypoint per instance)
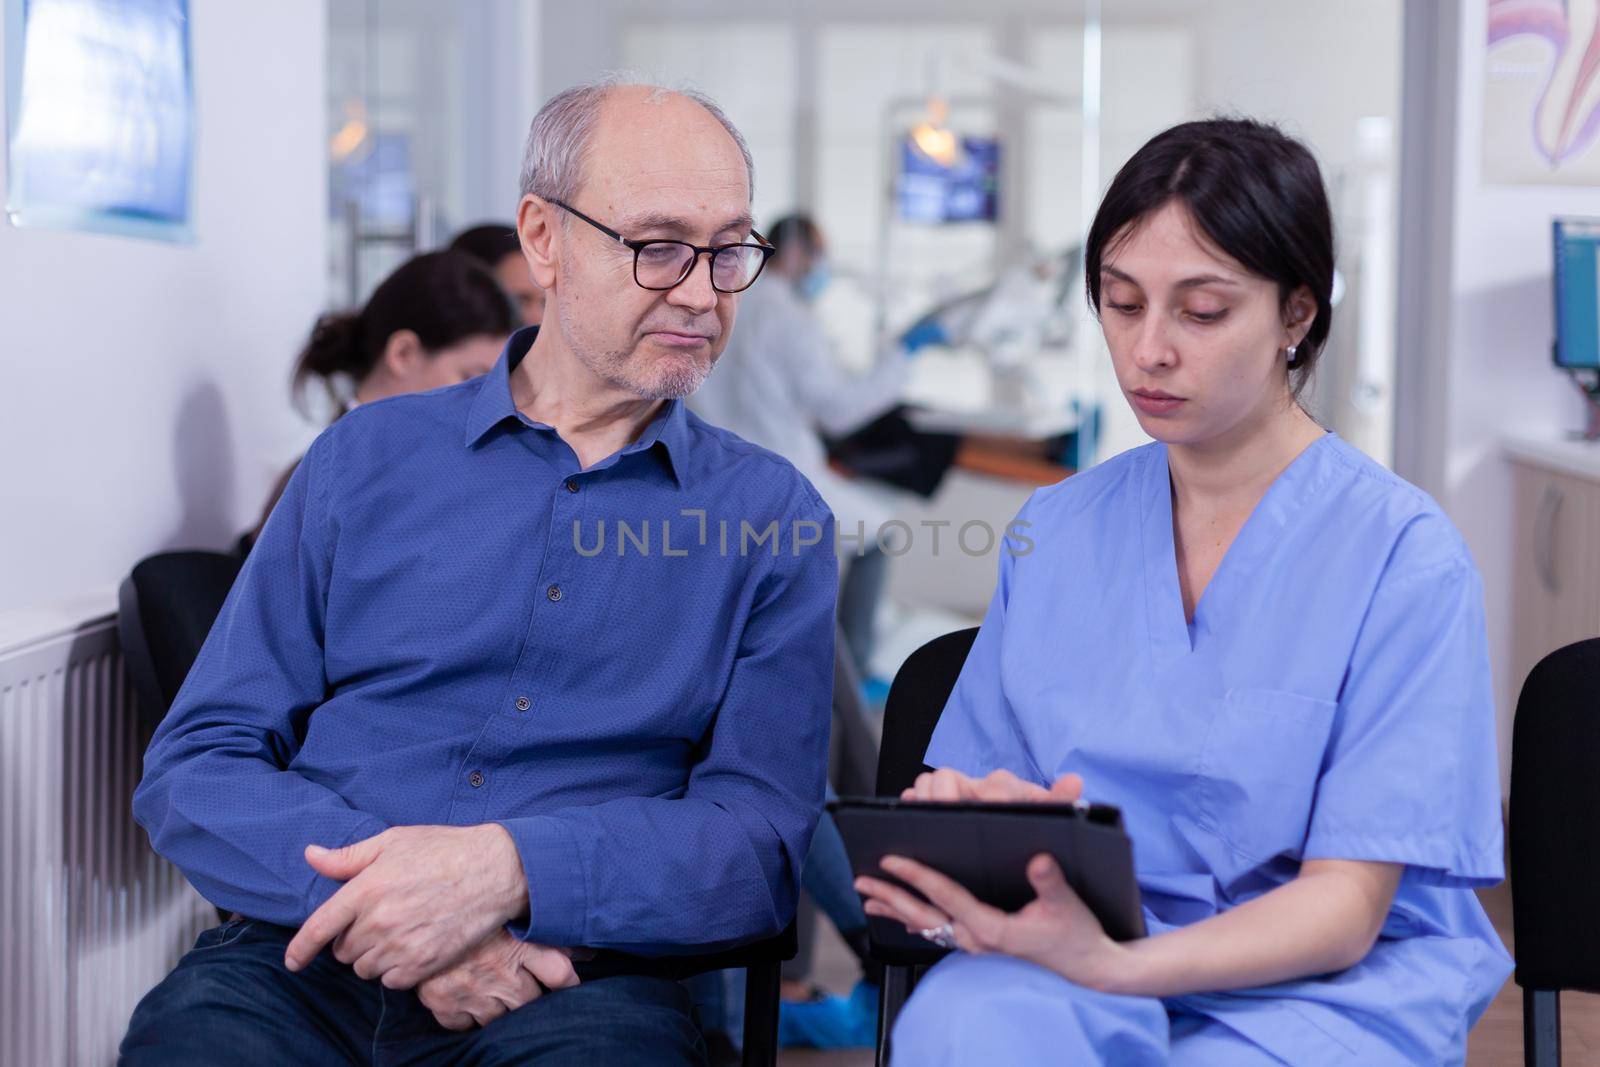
(944, 936)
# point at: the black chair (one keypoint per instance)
(167, 606)
(1555, 843)
(853, 755)
(761, 961)
(916, 700)
(165, 609)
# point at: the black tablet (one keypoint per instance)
(986, 847)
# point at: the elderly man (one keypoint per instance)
(519, 668)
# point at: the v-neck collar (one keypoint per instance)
(1171, 634)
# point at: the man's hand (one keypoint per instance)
(499, 976)
(415, 899)
(998, 787)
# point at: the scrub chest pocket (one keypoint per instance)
(1257, 774)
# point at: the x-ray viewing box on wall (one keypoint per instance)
(1577, 292)
(99, 116)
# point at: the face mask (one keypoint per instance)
(815, 281)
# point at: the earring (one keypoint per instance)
(1290, 353)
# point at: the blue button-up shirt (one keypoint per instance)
(447, 620)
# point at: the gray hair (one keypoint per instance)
(558, 140)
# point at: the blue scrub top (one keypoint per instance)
(1331, 699)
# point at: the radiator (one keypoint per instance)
(90, 917)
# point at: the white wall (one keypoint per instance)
(578, 42)
(145, 402)
(750, 69)
(1499, 376)
(1315, 68)
(501, 103)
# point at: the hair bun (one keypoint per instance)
(333, 350)
(335, 345)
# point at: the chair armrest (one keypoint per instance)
(607, 963)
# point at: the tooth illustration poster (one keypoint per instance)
(1541, 93)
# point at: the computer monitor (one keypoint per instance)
(964, 189)
(1577, 291)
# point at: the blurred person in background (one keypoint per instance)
(780, 385)
(439, 319)
(495, 245)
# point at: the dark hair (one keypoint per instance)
(488, 243)
(1253, 190)
(442, 297)
(797, 228)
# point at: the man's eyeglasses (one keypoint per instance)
(664, 264)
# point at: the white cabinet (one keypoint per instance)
(1556, 568)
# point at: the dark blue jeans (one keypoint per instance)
(231, 1000)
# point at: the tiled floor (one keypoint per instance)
(1495, 1042)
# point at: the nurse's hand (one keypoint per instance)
(1057, 930)
(997, 787)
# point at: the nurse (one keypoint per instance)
(1263, 647)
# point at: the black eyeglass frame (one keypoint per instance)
(765, 247)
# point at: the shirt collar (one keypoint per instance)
(493, 405)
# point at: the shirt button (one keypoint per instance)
(554, 592)
(572, 486)
(523, 704)
(475, 779)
